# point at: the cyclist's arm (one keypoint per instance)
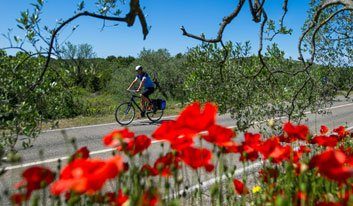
(132, 83)
(141, 84)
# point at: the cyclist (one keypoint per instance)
(147, 83)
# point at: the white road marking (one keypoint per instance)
(153, 142)
(212, 181)
(168, 117)
(63, 158)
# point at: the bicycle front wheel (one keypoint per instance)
(154, 116)
(125, 113)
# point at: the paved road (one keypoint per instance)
(56, 143)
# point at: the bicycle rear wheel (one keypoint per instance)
(125, 113)
(154, 116)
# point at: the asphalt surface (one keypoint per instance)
(56, 144)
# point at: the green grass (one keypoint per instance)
(100, 110)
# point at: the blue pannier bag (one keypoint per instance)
(159, 104)
(163, 105)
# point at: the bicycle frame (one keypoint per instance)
(152, 115)
(132, 99)
(135, 103)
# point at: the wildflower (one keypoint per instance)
(87, 175)
(19, 198)
(192, 121)
(341, 131)
(326, 141)
(149, 198)
(136, 145)
(220, 136)
(83, 153)
(331, 165)
(294, 132)
(271, 122)
(197, 119)
(249, 148)
(178, 136)
(197, 158)
(324, 130)
(272, 149)
(239, 187)
(35, 178)
(116, 137)
(166, 164)
(256, 189)
(301, 196)
(268, 173)
(149, 170)
(118, 199)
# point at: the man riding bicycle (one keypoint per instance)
(149, 87)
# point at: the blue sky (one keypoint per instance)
(165, 17)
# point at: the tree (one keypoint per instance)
(79, 55)
(265, 68)
(321, 15)
(331, 44)
(169, 71)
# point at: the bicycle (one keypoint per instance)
(125, 112)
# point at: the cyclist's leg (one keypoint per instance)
(145, 96)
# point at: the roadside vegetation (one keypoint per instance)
(62, 84)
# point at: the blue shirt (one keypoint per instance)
(146, 78)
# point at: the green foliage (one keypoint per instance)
(333, 45)
(170, 71)
(22, 110)
(249, 91)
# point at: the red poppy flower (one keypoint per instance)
(234, 148)
(349, 155)
(165, 165)
(329, 204)
(197, 158)
(83, 153)
(19, 198)
(301, 195)
(272, 149)
(304, 149)
(298, 154)
(178, 136)
(326, 141)
(87, 175)
(149, 198)
(331, 165)
(249, 150)
(295, 132)
(192, 121)
(149, 170)
(239, 187)
(341, 131)
(268, 173)
(137, 145)
(116, 137)
(324, 129)
(220, 136)
(195, 118)
(120, 199)
(35, 178)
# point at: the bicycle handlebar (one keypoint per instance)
(133, 93)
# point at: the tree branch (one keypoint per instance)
(129, 19)
(226, 20)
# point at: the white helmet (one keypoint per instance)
(138, 67)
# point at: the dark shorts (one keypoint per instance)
(148, 91)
